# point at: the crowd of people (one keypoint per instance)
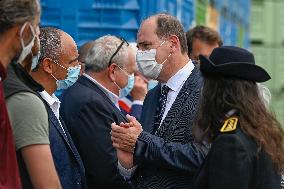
(179, 110)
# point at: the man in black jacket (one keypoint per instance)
(91, 105)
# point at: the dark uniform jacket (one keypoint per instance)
(235, 162)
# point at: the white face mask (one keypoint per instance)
(147, 64)
(35, 61)
(26, 50)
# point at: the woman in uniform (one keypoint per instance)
(246, 140)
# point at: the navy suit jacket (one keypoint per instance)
(170, 158)
(88, 114)
(67, 160)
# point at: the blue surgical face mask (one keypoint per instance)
(128, 88)
(123, 92)
(72, 76)
(152, 84)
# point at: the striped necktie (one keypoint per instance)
(161, 107)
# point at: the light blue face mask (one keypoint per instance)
(151, 84)
(72, 76)
(123, 92)
(128, 88)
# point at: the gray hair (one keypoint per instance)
(50, 44)
(168, 25)
(265, 94)
(17, 12)
(104, 47)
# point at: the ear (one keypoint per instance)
(14, 31)
(175, 43)
(111, 71)
(47, 65)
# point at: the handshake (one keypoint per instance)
(124, 137)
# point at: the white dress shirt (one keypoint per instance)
(113, 97)
(175, 84)
(54, 104)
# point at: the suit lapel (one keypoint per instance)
(85, 81)
(181, 102)
(149, 109)
(71, 144)
(65, 135)
(56, 124)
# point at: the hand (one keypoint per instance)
(139, 90)
(125, 158)
(124, 136)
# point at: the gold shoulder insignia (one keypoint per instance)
(229, 125)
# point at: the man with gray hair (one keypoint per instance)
(91, 105)
(19, 21)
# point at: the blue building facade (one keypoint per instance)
(87, 20)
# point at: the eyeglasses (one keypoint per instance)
(118, 48)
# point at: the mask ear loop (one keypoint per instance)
(22, 30)
(60, 65)
(168, 56)
(162, 43)
(123, 70)
(53, 77)
(166, 59)
(21, 34)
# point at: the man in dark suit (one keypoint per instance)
(91, 105)
(162, 153)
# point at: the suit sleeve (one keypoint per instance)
(91, 132)
(185, 157)
(229, 164)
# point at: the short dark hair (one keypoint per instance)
(84, 49)
(17, 12)
(169, 25)
(203, 33)
(50, 44)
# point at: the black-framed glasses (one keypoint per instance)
(118, 48)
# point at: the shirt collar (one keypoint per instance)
(177, 80)
(50, 99)
(113, 97)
